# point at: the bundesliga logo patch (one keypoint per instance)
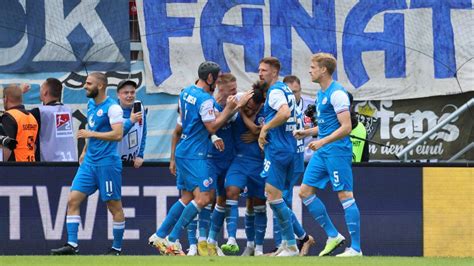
(63, 125)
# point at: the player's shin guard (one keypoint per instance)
(217, 220)
(297, 227)
(192, 227)
(250, 227)
(171, 219)
(72, 225)
(205, 221)
(260, 223)
(318, 211)
(352, 216)
(281, 210)
(118, 229)
(188, 215)
(232, 208)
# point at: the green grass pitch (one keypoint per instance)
(228, 261)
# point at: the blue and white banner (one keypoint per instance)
(63, 35)
(386, 50)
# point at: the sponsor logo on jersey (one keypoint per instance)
(91, 122)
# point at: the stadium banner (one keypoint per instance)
(396, 124)
(59, 35)
(33, 202)
(385, 49)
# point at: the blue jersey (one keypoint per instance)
(242, 149)
(101, 152)
(281, 138)
(225, 133)
(328, 123)
(194, 143)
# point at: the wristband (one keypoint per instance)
(214, 138)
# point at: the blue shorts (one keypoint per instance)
(218, 171)
(298, 162)
(278, 168)
(192, 173)
(321, 170)
(245, 173)
(106, 178)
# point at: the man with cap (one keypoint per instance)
(132, 146)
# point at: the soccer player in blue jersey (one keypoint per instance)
(245, 170)
(101, 167)
(198, 121)
(279, 144)
(218, 162)
(305, 241)
(332, 160)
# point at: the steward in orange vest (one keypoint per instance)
(18, 124)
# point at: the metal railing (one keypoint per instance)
(403, 154)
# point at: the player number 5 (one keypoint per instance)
(336, 176)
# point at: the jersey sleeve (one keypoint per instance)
(340, 101)
(115, 114)
(207, 111)
(276, 99)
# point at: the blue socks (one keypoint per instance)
(205, 221)
(276, 232)
(318, 211)
(217, 220)
(171, 219)
(352, 216)
(260, 223)
(250, 226)
(232, 208)
(72, 225)
(297, 227)
(187, 216)
(118, 229)
(192, 227)
(281, 210)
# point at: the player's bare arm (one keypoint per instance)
(344, 119)
(114, 135)
(174, 141)
(281, 117)
(303, 133)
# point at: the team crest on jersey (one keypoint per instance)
(261, 120)
(325, 100)
(63, 125)
(206, 182)
(100, 113)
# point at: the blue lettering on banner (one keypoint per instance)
(37, 36)
(159, 28)
(391, 40)
(318, 31)
(214, 34)
(316, 28)
(443, 37)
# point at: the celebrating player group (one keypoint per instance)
(227, 144)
